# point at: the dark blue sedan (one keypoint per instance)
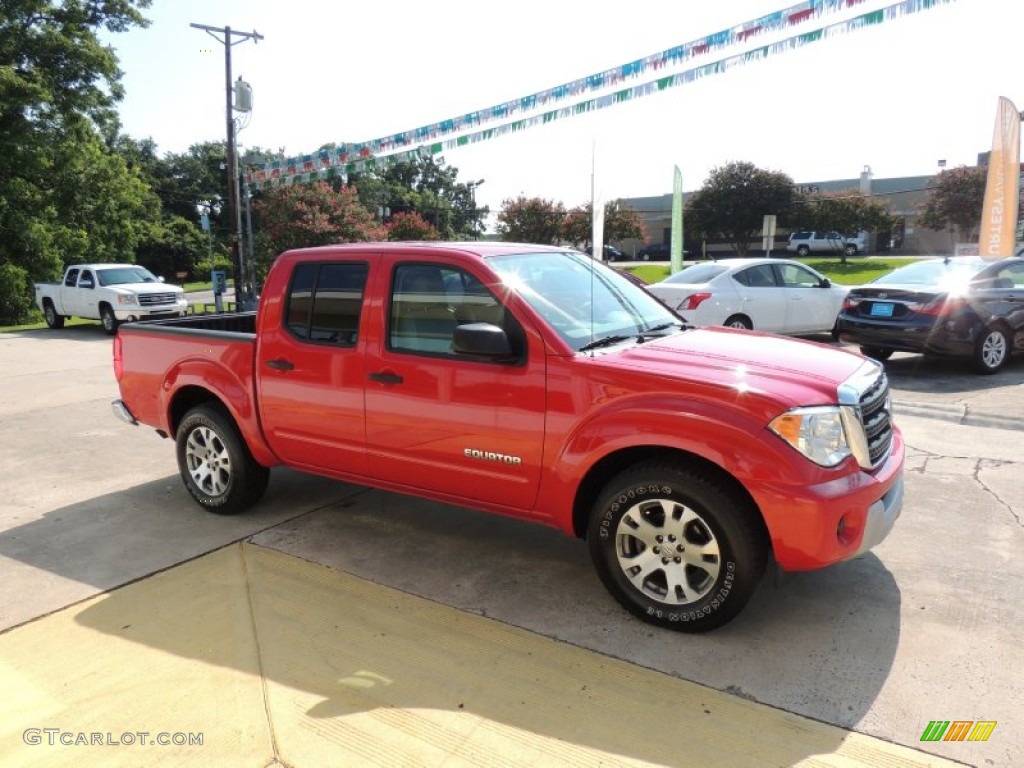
(955, 307)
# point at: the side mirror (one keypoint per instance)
(160, 279)
(482, 339)
(826, 283)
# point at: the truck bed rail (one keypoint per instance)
(237, 325)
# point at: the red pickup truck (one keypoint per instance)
(535, 382)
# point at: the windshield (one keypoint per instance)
(583, 300)
(933, 273)
(124, 275)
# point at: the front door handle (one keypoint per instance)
(280, 364)
(384, 377)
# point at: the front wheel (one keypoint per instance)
(677, 548)
(802, 251)
(108, 319)
(850, 249)
(992, 350)
(876, 353)
(215, 462)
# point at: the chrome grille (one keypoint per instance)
(156, 299)
(876, 419)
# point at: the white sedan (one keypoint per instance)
(774, 295)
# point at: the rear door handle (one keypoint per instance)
(280, 364)
(385, 377)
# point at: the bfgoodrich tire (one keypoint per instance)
(215, 464)
(677, 548)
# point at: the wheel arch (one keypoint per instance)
(740, 316)
(189, 396)
(598, 475)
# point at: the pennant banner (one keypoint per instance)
(382, 153)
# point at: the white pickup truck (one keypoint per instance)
(110, 293)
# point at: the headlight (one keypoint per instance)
(818, 433)
(126, 298)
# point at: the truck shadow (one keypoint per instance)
(821, 645)
(115, 539)
(88, 332)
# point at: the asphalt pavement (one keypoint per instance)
(337, 625)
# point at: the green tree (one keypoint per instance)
(531, 220)
(58, 90)
(620, 223)
(428, 187)
(410, 226)
(302, 215)
(734, 200)
(955, 201)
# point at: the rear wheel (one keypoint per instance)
(739, 321)
(802, 250)
(676, 547)
(851, 249)
(215, 463)
(53, 320)
(876, 352)
(992, 350)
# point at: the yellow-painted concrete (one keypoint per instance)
(174, 653)
(274, 658)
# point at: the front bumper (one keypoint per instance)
(881, 518)
(818, 525)
(126, 314)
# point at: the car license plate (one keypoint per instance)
(881, 309)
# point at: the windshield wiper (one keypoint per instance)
(653, 332)
(604, 341)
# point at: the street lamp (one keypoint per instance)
(472, 191)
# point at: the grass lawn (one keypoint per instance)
(856, 271)
(202, 285)
(40, 323)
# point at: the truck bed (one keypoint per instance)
(236, 325)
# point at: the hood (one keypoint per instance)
(146, 288)
(788, 371)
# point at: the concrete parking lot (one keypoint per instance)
(340, 625)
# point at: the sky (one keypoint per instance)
(897, 97)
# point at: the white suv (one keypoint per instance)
(803, 243)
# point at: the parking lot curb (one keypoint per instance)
(957, 414)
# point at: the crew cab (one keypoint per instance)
(110, 293)
(535, 382)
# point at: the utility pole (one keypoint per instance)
(242, 296)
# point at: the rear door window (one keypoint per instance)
(325, 302)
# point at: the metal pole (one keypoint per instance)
(234, 212)
(252, 253)
(236, 252)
